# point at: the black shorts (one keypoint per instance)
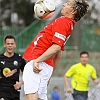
(7, 98)
(9, 94)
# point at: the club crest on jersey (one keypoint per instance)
(15, 63)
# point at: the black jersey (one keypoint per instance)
(9, 70)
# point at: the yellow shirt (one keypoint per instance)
(81, 76)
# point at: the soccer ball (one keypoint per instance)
(44, 9)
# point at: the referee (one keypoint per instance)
(81, 74)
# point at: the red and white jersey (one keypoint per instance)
(58, 31)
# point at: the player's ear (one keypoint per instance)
(4, 45)
(15, 45)
(74, 11)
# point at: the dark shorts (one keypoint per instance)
(7, 94)
(80, 95)
(6, 98)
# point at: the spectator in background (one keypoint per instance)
(10, 65)
(55, 95)
(81, 74)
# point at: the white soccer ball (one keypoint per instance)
(44, 9)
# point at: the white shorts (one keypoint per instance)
(37, 82)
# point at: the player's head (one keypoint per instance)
(55, 88)
(9, 43)
(75, 9)
(82, 7)
(84, 56)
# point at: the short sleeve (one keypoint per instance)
(23, 62)
(93, 74)
(61, 32)
(70, 72)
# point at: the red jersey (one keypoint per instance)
(57, 31)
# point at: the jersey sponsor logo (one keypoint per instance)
(60, 36)
(3, 62)
(7, 72)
